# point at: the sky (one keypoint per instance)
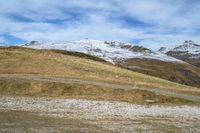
(152, 23)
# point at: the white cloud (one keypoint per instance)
(96, 28)
(169, 13)
(169, 22)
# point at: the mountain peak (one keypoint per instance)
(188, 52)
(189, 47)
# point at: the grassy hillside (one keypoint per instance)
(180, 73)
(186, 57)
(13, 86)
(78, 54)
(50, 63)
(16, 60)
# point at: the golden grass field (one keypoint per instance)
(23, 87)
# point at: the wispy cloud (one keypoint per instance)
(153, 22)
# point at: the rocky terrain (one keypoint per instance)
(33, 114)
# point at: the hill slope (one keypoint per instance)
(17, 60)
(177, 72)
(52, 73)
(128, 55)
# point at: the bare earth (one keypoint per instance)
(34, 114)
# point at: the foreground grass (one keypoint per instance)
(91, 92)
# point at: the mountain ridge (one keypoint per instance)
(108, 50)
(189, 52)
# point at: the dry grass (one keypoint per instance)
(76, 91)
(17, 60)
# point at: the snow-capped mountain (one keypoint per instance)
(188, 46)
(188, 52)
(108, 50)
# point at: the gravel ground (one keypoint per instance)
(95, 116)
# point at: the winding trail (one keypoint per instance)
(69, 80)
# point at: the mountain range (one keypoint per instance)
(108, 50)
(179, 64)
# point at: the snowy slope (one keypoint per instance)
(110, 51)
(188, 47)
(188, 52)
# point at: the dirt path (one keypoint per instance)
(40, 114)
(67, 80)
(32, 122)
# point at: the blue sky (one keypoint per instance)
(152, 23)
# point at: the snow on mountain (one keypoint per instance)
(189, 47)
(188, 52)
(108, 50)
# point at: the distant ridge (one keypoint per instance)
(189, 52)
(107, 50)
